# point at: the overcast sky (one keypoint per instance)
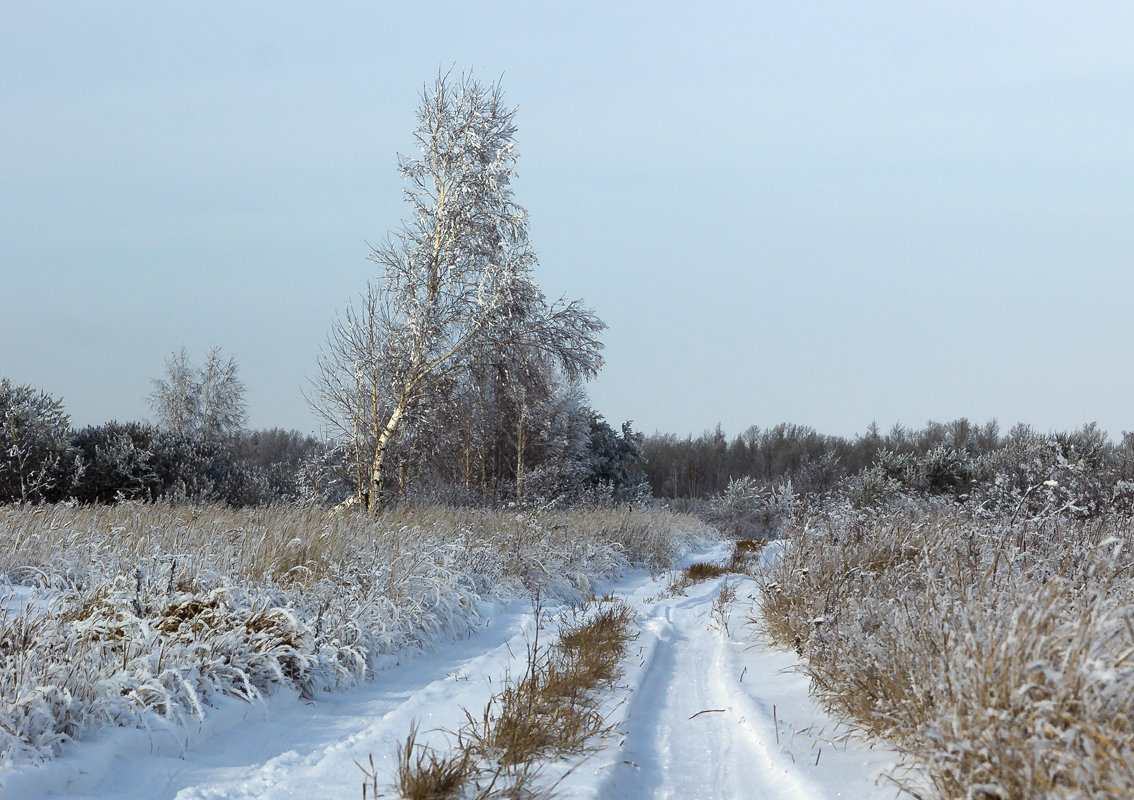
(820, 213)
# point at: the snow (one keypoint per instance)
(28, 600)
(705, 709)
(713, 715)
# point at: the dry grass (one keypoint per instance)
(426, 774)
(720, 611)
(158, 609)
(293, 546)
(697, 573)
(750, 547)
(999, 653)
(703, 571)
(552, 712)
(744, 554)
(739, 563)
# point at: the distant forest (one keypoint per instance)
(813, 461)
(941, 457)
(549, 449)
(1083, 472)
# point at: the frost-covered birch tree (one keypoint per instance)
(455, 280)
(222, 408)
(175, 399)
(204, 403)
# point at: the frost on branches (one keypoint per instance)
(35, 454)
(455, 294)
(205, 403)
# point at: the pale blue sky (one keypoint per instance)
(818, 213)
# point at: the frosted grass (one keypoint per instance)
(998, 651)
(146, 615)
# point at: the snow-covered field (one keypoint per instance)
(704, 710)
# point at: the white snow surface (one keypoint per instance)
(23, 599)
(705, 710)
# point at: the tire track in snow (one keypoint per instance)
(431, 692)
(688, 731)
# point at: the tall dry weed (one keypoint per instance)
(999, 652)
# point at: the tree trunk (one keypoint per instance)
(377, 476)
(520, 448)
(359, 470)
(468, 457)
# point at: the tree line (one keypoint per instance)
(754, 478)
(534, 446)
(813, 461)
(186, 456)
(199, 450)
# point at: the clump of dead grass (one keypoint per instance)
(427, 774)
(551, 712)
(739, 563)
(702, 571)
(720, 611)
(750, 547)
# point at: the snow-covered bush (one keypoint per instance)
(1037, 475)
(118, 462)
(138, 461)
(327, 475)
(36, 462)
(742, 497)
(873, 487)
(748, 509)
(940, 470)
(1028, 474)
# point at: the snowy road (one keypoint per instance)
(714, 716)
(692, 731)
(703, 713)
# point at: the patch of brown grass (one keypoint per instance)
(738, 563)
(704, 571)
(744, 555)
(426, 774)
(750, 546)
(592, 649)
(551, 712)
